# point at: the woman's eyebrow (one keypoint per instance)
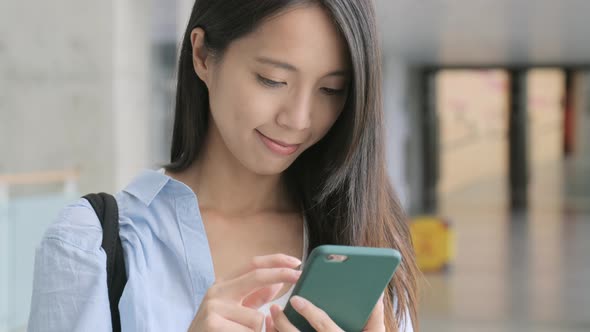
(290, 67)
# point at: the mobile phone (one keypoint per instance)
(344, 281)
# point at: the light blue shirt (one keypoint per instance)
(168, 262)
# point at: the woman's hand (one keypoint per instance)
(318, 318)
(231, 305)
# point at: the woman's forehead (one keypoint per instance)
(304, 37)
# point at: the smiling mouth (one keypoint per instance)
(278, 147)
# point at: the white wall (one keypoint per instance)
(73, 88)
(55, 87)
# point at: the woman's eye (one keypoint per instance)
(333, 92)
(269, 83)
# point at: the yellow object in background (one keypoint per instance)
(433, 243)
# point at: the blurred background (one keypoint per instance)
(488, 129)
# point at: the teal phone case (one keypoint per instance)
(347, 291)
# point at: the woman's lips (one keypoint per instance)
(278, 147)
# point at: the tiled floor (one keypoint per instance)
(527, 271)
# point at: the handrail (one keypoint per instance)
(69, 178)
(40, 177)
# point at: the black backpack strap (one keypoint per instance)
(107, 211)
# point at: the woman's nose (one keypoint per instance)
(296, 115)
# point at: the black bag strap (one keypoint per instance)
(107, 211)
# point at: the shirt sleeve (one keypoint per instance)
(69, 282)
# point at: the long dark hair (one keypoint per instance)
(341, 182)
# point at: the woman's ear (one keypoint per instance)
(200, 54)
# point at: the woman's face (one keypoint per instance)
(278, 90)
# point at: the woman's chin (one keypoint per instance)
(270, 167)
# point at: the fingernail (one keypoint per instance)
(297, 302)
(295, 260)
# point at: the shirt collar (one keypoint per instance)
(147, 185)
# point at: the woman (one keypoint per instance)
(277, 148)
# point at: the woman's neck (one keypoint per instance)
(224, 185)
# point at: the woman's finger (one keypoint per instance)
(376, 321)
(316, 317)
(262, 296)
(245, 317)
(233, 326)
(267, 261)
(280, 322)
(237, 289)
(270, 327)
(219, 323)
